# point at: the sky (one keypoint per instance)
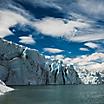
(60, 28)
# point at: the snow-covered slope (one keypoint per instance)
(90, 77)
(23, 66)
(83, 75)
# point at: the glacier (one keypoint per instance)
(20, 65)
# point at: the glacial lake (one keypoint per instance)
(68, 94)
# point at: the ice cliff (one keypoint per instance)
(4, 88)
(23, 66)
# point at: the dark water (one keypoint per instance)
(70, 94)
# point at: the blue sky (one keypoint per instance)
(70, 28)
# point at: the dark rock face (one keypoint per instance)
(24, 66)
(62, 74)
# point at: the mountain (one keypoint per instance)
(84, 75)
(20, 65)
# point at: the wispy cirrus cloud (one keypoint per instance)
(92, 8)
(88, 37)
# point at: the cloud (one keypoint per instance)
(83, 49)
(82, 27)
(93, 62)
(92, 57)
(92, 8)
(91, 45)
(96, 67)
(78, 31)
(57, 28)
(57, 57)
(40, 9)
(7, 19)
(53, 50)
(27, 40)
(67, 60)
(88, 37)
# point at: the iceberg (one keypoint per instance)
(4, 88)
